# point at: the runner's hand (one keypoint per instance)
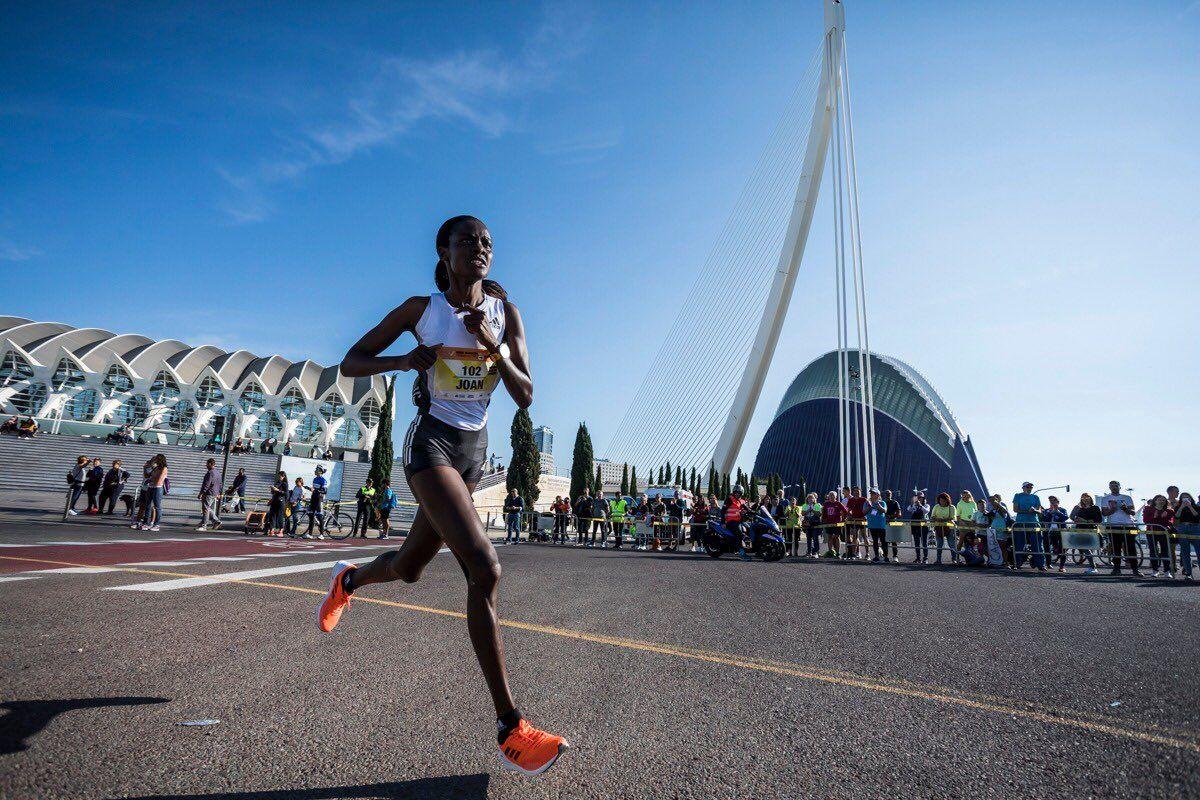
(476, 325)
(422, 357)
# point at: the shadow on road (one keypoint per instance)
(450, 787)
(27, 718)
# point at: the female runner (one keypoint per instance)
(469, 338)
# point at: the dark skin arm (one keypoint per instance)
(363, 358)
(514, 370)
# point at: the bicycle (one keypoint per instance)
(1104, 553)
(334, 523)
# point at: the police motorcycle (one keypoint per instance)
(765, 537)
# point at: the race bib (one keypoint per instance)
(463, 374)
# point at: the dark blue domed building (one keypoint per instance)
(919, 444)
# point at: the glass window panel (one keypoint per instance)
(30, 399)
(292, 404)
(133, 411)
(309, 429)
(252, 398)
(14, 368)
(182, 416)
(349, 435)
(117, 381)
(268, 425)
(369, 413)
(163, 388)
(209, 393)
(66, 374)
(332, 407)
(83, 406)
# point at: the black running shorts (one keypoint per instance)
(432, 443)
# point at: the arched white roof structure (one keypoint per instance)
(32, 351)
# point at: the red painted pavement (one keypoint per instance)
(103, 555)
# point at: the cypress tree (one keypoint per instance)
(525, 466)
(679, 476)
(598, 483)
(581, 462)
(725, 486)
(660, 476)
(381, 451)
(633, 487)
(624, 480)
(668, 473)
(752, 483)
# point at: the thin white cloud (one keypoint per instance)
(10, 251)
(474, 89)
(582, 148)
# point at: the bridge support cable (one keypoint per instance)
(857, 437)
(869, 380)
(675, 414)
(733, 433)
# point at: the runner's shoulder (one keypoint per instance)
(409, 312)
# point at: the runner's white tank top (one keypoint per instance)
(458, 387)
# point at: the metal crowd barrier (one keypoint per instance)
(1036, 543)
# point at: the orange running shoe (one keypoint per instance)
(530, 751)
(337, 600)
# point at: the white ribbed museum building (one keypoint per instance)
(89, 379)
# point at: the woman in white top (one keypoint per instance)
(469, 340)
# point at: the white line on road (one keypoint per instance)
(7, 544)
(76, 570)
(222, 558)
(6, 578)
(247, 575)
(155, 564)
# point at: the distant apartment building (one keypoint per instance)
(543, 439)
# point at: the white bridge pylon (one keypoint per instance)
(749, 277)
(829, 114)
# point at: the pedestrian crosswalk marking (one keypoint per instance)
(209, 580)
(77, 570)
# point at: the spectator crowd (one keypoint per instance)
(1028, 532)
(846, 524)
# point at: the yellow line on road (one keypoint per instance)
(1047, 715)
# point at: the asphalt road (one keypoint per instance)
(674, 676)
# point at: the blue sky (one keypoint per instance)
(272, 178)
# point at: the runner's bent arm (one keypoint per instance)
(514, 370)
(363, 359)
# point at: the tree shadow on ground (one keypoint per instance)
(27, 718)
(450, 787)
